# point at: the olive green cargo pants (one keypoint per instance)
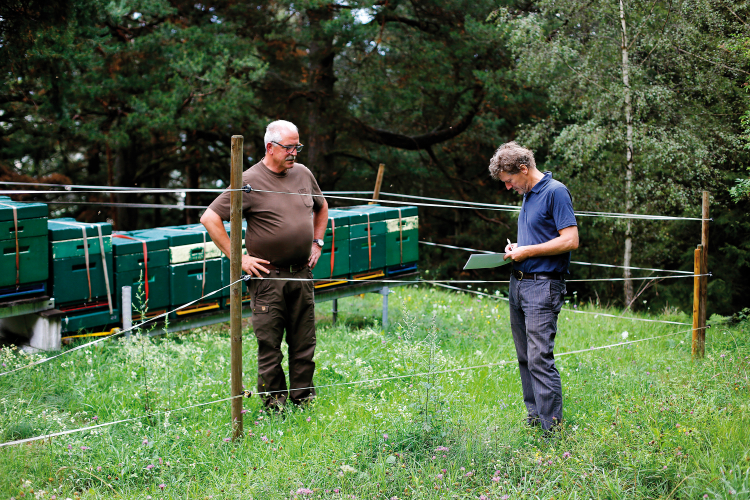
(280, 305)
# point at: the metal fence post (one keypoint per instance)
(127, 310)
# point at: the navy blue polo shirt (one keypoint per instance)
(546, 209)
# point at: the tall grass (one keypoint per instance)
(640, 421)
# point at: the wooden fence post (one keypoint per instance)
(697, 267)
(235, 291)
(378, 183)
(704, 271)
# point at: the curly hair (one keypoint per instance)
(508, 158)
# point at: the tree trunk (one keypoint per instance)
(321, 134)
(193, 177)
(126, 166)
(629, 156)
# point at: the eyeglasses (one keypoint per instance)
(291, 148)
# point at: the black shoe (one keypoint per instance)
(533, 421)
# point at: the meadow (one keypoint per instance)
(641, 420)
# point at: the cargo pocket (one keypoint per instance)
(260, 308)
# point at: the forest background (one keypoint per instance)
(637, 106)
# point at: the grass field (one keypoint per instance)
(640, 420)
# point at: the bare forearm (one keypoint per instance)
(320, 221)
(216, 230)
(561, 244)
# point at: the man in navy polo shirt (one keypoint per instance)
(547, 232)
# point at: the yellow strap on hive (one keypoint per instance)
(329, 283)
(95, 334)
(198, 308)
(378, 274)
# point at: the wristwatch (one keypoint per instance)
(318, 242)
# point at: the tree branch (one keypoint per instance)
(424, 141)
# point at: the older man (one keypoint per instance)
(283, 240)
(547, 232)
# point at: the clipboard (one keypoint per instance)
(485, 261)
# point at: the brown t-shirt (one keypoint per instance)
(279, 226)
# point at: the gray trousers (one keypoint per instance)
(534, 307)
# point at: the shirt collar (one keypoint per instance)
(543, 182)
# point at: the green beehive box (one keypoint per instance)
(360, 250)
(85, 321)
(360, 230)
(32, 260)
(402, 240)
(23, 210)
(158, 287)
(341, 220)
(134, 261)
(186, 280)
(26, 228)
(129, 252)
(341, 264)
(69, 281)
(175, 235)
(194, 252)
(68, 228)
(401, 247)
(126, 246)
(75, 248)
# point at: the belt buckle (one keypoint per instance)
(519, 276)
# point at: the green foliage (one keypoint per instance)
(684, 85)
(641, 421)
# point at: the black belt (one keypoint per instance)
(520, 275)
(292, 268)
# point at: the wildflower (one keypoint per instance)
(385, 437)
(84, 448)
(469, 474)
(624, 335)
(264, 439)
(441, 448)
(496, 479)
(70, 446)
(145, 441)
(434, 457)
(439, 476)
(505, 497)
(723, 355)
(307, 419)
(162, 486)
(243, 411)
(149, 466)
(336, 490)
(305, 491)
(348, 468)
(443, 470)
(566, 454)
(99, 468)
(226, 440)
(482, 497)
(463, 468)
(94, 418)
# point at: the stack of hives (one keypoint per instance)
(81, 273)
(368, 242)
(24, 249)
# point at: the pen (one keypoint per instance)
(509, 243)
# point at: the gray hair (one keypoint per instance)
(509, 157)
(275, 129)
